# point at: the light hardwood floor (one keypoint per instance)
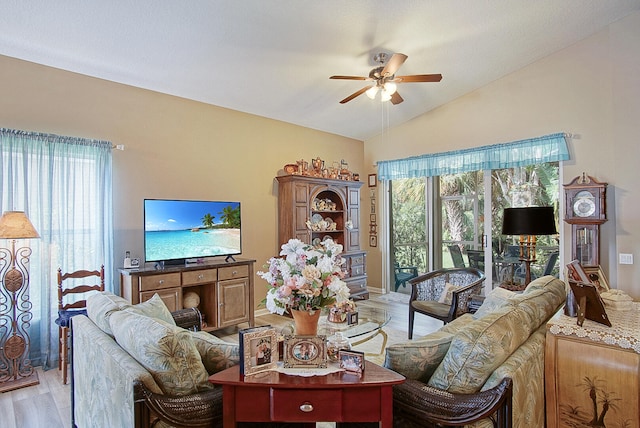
(48, 405)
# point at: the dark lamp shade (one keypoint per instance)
(529, 221)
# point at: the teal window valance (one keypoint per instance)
(549, 148)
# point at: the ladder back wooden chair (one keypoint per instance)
(71, 302)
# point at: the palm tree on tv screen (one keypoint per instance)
(207, 220)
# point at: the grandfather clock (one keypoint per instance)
(585, 211)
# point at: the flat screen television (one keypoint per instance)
(178, 230)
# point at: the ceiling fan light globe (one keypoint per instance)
(371, 92)
(390, 88)
(385, 95)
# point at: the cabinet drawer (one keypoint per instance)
(357, 285)
(306, 405)
(156, 282)
(357, 270)
(199, 276)
(357, 260)
(233, 272)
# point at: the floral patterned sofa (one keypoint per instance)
(505, 338)
(128, 358)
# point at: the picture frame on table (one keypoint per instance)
(305, 352)
(258, 349)
(351, 361)
(590, 304)
(576, 272)
(597, 278)
(352, 318)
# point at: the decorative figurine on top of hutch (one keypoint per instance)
(585, 211)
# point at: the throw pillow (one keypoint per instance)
(154, 308)
(447, 293)
(166, 351)
(216, 354)
(418, 358)
(476, 351)
(100, 306)
(497, 298)
(539, 283)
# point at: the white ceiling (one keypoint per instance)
(273, 58)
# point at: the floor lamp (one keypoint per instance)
(528, 222)
(16, 370)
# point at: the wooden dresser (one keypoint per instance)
(592, 373)
(225, 289)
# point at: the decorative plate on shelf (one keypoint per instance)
(316, 218)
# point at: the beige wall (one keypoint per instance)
(175, 148)
(592, 89)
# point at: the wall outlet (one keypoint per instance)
(626, 259)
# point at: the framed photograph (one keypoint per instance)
(373, 240)
(351, 361)
(597, 278)
(372, 218)
(373, 229)
(373, 180)
(576, 272)
(352, 318)
(258, 349)
(590, 304)
(373, 206)
(305, 352)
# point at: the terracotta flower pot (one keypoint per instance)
(306, 322)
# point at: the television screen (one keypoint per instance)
(179, 229)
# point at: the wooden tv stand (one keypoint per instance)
(225, 289)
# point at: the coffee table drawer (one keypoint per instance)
(306, 405)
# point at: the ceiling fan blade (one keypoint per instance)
(350, 77)
(396, 98)
(394, 64)
(419, 78)
(355, 94)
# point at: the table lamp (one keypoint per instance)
(16, 370)
(528, 222)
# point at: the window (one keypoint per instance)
(64, 186)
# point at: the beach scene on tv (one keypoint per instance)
(191, 229)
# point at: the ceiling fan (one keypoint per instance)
(385, 80)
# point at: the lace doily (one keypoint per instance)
(624, 331)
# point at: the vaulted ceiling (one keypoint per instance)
(273, 58)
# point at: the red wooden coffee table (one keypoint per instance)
(338, 397)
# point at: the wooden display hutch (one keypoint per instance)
(303, 199)
(225, 289)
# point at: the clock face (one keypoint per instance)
(584, 204)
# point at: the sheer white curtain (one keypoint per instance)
(64, 186)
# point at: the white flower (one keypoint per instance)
(306, 277)
(272, 305)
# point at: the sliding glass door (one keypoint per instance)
(451, 208)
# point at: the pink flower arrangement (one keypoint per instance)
(306, 278)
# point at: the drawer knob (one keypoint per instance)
(306, 407)
(235, 272)
(161, 281)
(201, 276)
